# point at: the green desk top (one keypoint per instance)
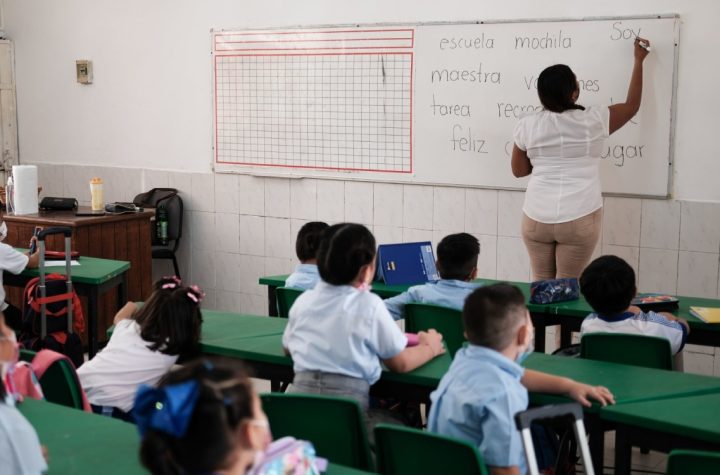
(92, 270)
(221, 326)
(82, 443)
(690, 416)
(627, 383)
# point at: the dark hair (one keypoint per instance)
(344, 249)
(555, 86)
(608, 284)
(492, 314)
(308, 240)
(170, 319)
(224, 402)
(457, 256)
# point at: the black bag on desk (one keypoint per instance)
(58, 204)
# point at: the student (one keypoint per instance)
(485, 387)
(214, 422)
(339, 332)
(20, 450)
(145, 344)
(608, 285)
(14, 262)
(457, 264)
(306, 246)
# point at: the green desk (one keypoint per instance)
(82, 443)
(690, 422)
(541, 317)
(92, 278)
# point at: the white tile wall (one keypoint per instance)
(387, 204)
(227, 196)
(277, 197)
(660, 224)
(700, 227)
(621, 221)
(449, 208)
(231, 238)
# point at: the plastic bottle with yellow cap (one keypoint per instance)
(96, 194)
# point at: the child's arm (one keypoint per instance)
(408, 359)
(396, 305)
(126, 312)
(681, 321)
(537, 381)
(33, 259)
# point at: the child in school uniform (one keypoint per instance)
(213, 421)
(20, 449)
(608, 284)
(14, 262)
(306, 246)
(145, 344)
(485, 386)
(339, 332)
(457, 265)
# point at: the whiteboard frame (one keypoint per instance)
(267, 172)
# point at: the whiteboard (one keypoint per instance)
(432, 103)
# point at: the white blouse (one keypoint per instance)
(564, 150)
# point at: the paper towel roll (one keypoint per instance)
(25, 189)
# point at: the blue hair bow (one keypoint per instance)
(167, 409)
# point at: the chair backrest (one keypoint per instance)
(59, 382)
(636, 350)
(172, 202)
(448, 321)
(334, 425)
(285, 299)
(405, 451)
(682, 462)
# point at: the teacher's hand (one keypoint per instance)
(641, 49)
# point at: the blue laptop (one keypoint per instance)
(406, 263)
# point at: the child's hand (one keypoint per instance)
(582, 393)
(433, 339)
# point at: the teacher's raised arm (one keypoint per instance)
(560, 147)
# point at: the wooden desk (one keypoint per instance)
(689, 422)
(81, 443)
(124, 237)
(91, 279)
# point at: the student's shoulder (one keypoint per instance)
(657, 318)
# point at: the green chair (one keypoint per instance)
(448, 321)
(682, 462)
(334, 425)
(59, 383)
(286, 297)
(405, 451)
(636, 350)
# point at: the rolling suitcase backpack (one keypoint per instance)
(52, 315)
(525, 419)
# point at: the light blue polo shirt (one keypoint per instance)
(342, 330)
(304, 277)
(449, 293)
(477, 399)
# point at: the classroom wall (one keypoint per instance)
(146, 122)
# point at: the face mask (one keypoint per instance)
(3, 231)
(522, 356)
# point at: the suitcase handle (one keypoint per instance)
(67, 232)
(524, 419)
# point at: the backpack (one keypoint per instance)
(58, 338)
(289, 455)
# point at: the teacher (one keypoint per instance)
(560, 148)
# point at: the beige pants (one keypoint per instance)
(561, 250)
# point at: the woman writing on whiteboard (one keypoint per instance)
(560, 148)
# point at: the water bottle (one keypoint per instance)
(9, 198)
(162, 225)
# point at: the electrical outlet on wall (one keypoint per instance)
(84, 71)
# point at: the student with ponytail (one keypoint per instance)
(204, 417)
(145, 344)
(560, 148)
(339, 332)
